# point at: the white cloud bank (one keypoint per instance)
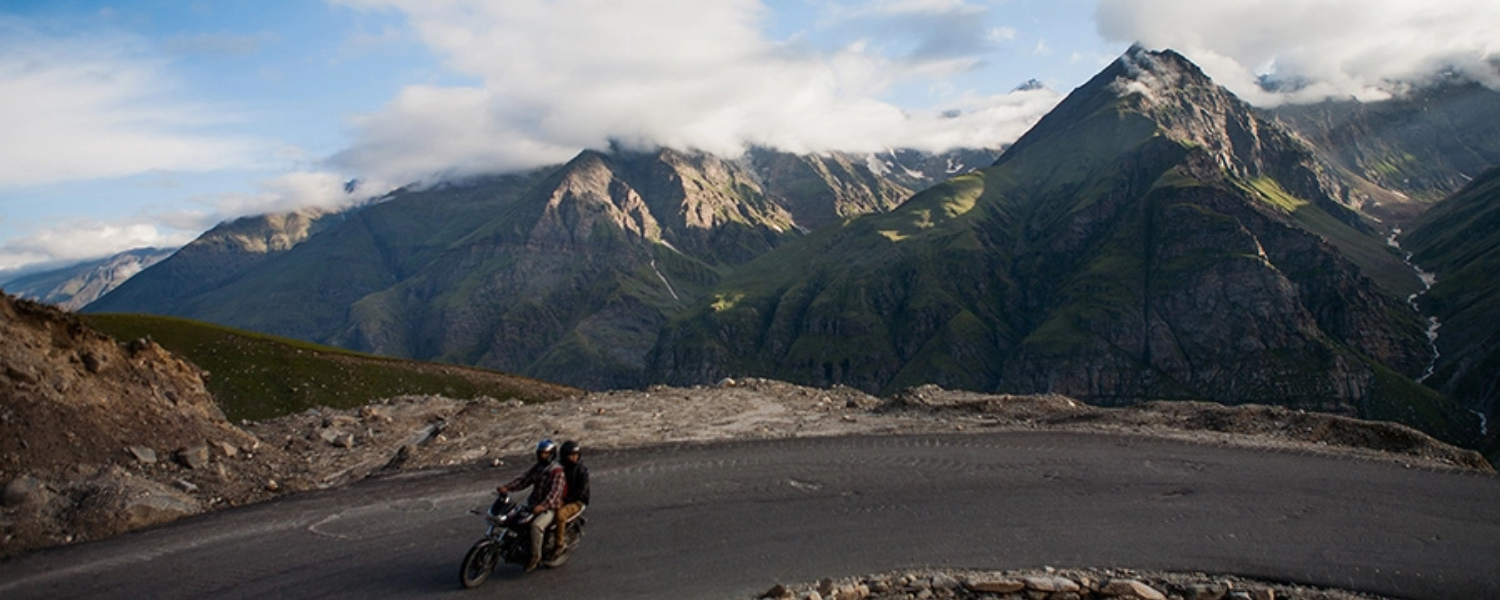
(100, 104)
(1367, 49)
(96, 106)
(554, 77)
(81, 240)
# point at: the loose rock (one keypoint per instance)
(22, 491)
(142, 454)
(195, 457)
(1130, 589)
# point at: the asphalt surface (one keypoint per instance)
(726, 521)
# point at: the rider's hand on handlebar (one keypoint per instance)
(502, 490)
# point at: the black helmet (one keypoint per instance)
(569, 447)
(546, 445)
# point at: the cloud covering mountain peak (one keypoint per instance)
(1365, 49)
(550, 78)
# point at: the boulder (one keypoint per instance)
(93, 362)
(142, 454)
(1206, 591)
(1051, 584)
(118, 502)
(150, 509)
(943, 581)
(193, 457)
(340, 421)
(22, 491)
(1130, 589)
(996, 586)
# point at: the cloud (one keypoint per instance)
(96, 106)
(83, 239)
(289, 192)
(552, 78)
(1328, 49)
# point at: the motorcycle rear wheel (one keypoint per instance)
(479, 563)
(575, 535)
(561, 558)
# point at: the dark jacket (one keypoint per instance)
(578, 483)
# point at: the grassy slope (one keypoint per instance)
(254, 376)
(370, 251)
(1459, 240)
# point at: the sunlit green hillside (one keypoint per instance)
(256, 376)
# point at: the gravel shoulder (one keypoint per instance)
(338, 446)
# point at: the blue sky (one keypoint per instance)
(143, 123)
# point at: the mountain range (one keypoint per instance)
(1153, 237)
(75, 286)
(561, 273)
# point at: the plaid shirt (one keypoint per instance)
(547, 485)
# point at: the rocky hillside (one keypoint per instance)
(98, 437)
(1151, 238)
(73, 287)
(217, 258)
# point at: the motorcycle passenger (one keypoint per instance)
(577, 496)
(548, 484)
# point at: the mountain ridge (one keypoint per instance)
(528, 272)
(1154, 237)
(75, 286)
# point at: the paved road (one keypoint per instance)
(728, 520)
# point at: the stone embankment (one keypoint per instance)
(1052, 584)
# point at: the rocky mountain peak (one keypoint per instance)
(1185, 105)
(1190, 108)
(1155, 75)
(265, 234)
(588, 195)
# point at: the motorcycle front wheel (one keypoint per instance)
(479, 563)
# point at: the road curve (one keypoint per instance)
(727, 520)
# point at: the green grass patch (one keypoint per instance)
(1398, 399)
(1271, 192)
(254, 376)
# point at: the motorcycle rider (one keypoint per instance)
(577, 496)
(548, 484)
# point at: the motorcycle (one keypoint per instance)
(508, 539)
